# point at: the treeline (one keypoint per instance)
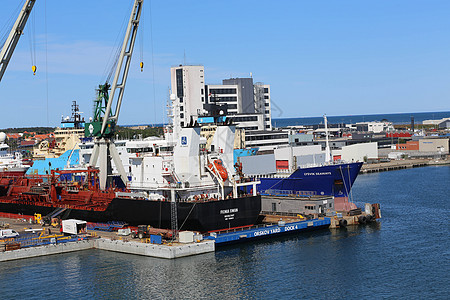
(129, 133)
(121, 132)
(38, 130)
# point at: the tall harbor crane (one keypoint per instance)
(102, 126)
(14, 35)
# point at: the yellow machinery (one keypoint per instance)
(38, 218)
(56, 222)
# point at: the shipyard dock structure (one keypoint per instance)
(38, 241)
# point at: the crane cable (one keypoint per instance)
(141, 41)
(46, 56)
(6, 28)
(115, 52)
(153, 66)
(32, 41)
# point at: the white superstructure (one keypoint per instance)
(10, 163)
(159, 165)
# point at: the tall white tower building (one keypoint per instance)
(188, 86)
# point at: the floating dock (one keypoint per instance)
(266, 231)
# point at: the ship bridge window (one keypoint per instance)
(166, 149)
(140, 150)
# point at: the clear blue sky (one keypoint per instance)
(333, 57)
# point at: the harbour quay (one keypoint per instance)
(111, 241)
(401, 164)
(35, 240)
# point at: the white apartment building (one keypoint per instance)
(242, 96)
(262, 103)
(247, 103)
(188, 86)
(266, 140)
(375, 127)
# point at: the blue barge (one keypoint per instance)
(267, 231)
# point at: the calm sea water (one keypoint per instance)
(404, 118)
(405, 255)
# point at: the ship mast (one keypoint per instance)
(327, 146)
(103, 125)
(14, 35)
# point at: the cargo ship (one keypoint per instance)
(28, 196)
(331, 180)
(327, 180)
(302, 171)
(173, 179)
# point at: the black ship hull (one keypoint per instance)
(197, 216)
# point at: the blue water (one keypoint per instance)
(405, 255)
(404, 118)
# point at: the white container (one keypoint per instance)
(186, 237)
(73, 226)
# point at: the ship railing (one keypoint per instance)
(72, 189)
(277, 213)
(239, 229)
(277, 192)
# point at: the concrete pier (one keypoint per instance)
(153, 250)
(129, 247)
(46, 250)
(401, 164)
(109, 241)
(393, 165)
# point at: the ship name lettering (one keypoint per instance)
(317, 173)
(275, 230)
(262, 232)
(228, 211)
(229, 217)
(291, 227)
